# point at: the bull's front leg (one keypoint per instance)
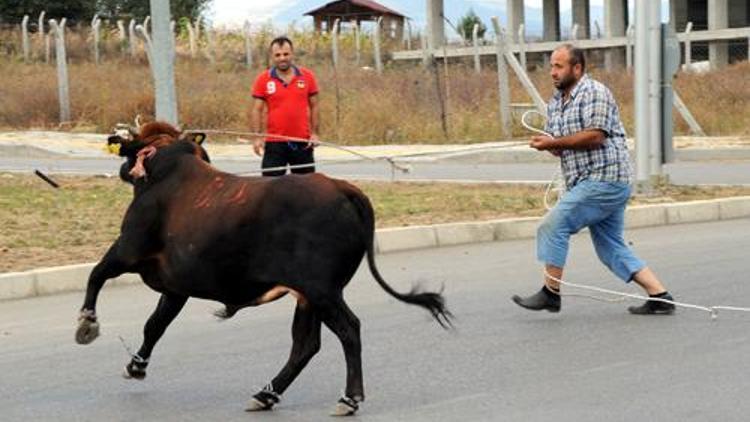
(168, 308)
(110, 266)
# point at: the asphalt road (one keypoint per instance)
(591, 362)
(714, 172)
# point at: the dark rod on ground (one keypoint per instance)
(46, 179)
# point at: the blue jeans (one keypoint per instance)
(600, 206)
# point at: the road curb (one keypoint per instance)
(68, 278)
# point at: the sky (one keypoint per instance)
(233, 13)
(229, 12)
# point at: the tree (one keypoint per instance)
(139, 9)
(12, 11)
(466, 26)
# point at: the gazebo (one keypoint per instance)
(358, 11)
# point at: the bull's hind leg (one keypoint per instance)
(168, 308)
(306, 343)
(110, 266)
(342, 321)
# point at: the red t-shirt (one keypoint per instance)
(288, 107)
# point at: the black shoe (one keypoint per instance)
(539, 301)
(653, 307)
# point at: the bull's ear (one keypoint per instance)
(196, 137)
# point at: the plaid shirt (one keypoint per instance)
(590, 106)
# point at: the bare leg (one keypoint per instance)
(555, 272)
(648, 280)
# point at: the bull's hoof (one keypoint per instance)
(88, 330)
(346, 406)
(135, 369)
(265, 399)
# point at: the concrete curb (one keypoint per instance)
(47, 281)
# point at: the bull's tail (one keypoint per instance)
(434, 302)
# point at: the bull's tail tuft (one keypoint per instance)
(434, 302)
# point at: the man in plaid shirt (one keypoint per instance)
(589, 138)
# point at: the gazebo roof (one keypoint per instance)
(368, 4)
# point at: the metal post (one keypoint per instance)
(688, 46)
(629, 47)
(161, 56)
(695, 127)
(248, 46)
(641, 89)
(357, 44)
(502, 78)
(40, 34)
(191, 39)
(425, 49)
(211, 50)
(95, 25)
(522, 46)
(173, 39)
(131, 38)
(376, 46)
(47, 47)
(25, 38)
(475, 41)
(62, 68)
(654, 91)
(335, 43)
(121, 35)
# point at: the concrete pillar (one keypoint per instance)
(551, 16)
(435, 24)
(615, 23)
(718, 18)
(515, 18)
(678, 14)
(582, 17)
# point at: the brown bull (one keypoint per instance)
(193, 231)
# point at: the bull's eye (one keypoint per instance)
(114, 149)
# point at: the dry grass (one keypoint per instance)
(401, 106)
(45, 227)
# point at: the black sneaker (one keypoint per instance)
(653, 307)
(544, 299)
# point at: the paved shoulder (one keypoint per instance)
(591, 362)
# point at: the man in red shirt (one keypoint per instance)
(288, 95)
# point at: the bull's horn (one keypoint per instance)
(138, 121)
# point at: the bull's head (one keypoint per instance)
(140, 143)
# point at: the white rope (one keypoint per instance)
(390, 159)
(556, 183)
(403, 169)
(712, 310)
